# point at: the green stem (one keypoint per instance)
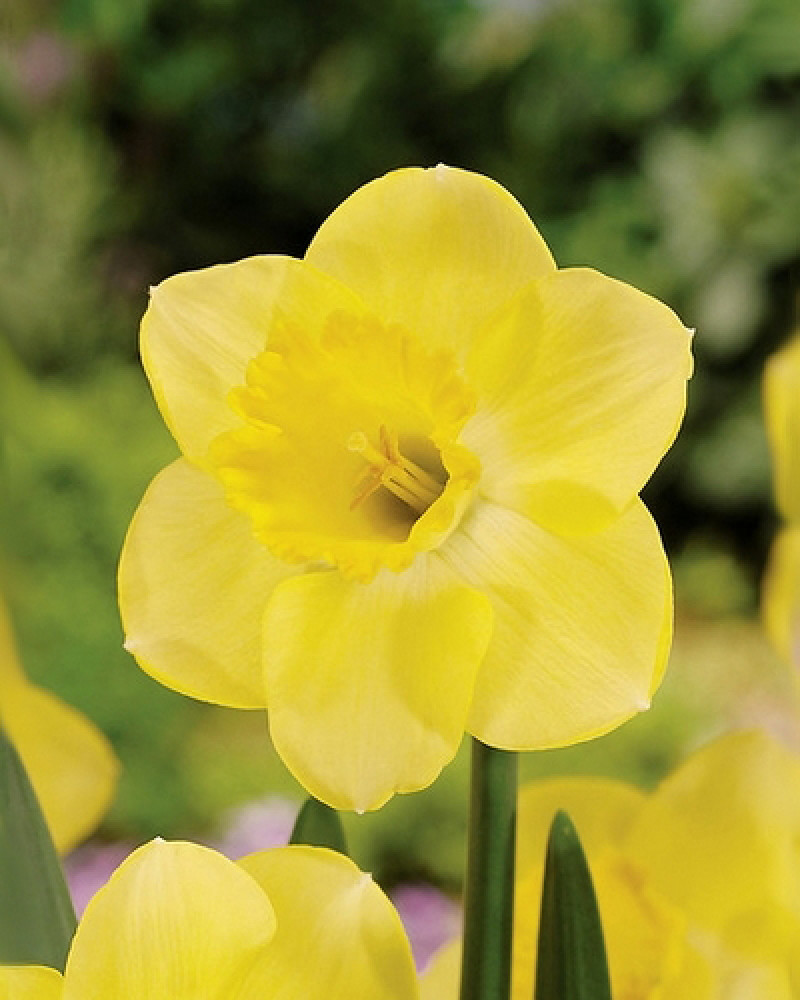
(489, 894)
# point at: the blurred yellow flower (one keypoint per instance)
(69, 761)
(782, 409)
(781, 592)
(698, 883)
(408, 499)
(181, 922)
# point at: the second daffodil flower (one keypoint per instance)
(697, 882)
(181, 922)
(408, 499)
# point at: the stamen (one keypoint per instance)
(392, 470)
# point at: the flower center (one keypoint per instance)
(390, 469)
(307, 466)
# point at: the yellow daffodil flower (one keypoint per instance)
(698, 883)
(70, 763)
(408, 499)
(782, 410)
(781, 594)
(181, 922)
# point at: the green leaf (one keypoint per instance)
(319, 826)
(571, 962)
(37, 920)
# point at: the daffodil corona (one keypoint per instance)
(408, 499)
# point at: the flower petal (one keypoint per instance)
(69, 761)
(203, 327)
(192, 587)
(30, 982)
(67, 758)
(736, 978)
(582, 387)
(338, 936)
(582, 625)
(175, 920)
(780, 598)
(440, 980)
(437, 250)
(782, 411)
(719, 835)
(601, 809)
(369, 684)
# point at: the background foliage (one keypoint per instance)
(654, 139)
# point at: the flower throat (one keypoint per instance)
(392, 470)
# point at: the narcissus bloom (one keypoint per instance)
(408, 500)
(70, 763)
(181, 922)
(781, 597)
(698, 884)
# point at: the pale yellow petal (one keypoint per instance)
(748, 980)
(193, 583)
(369, 684)
(438, 251)
(582, 625)
(601, 809)
(30, 982)
(338, 937)
(68, 759)
(713, 972)
(699, 977)
(782, 410)
(175, 921)
(719, 836)
(582, 388)
(203, 327)
(780, 595)
(440, 980)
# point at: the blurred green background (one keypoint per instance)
(657, 140)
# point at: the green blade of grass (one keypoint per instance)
(571, 961)
(319, 826)
(37, 919)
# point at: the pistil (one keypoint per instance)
(392, 470)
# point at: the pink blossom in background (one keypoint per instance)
(90, 867)
(430, 917)
(248, 828)
(255, 827)
(44, 64)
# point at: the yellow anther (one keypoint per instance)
(392, 470)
